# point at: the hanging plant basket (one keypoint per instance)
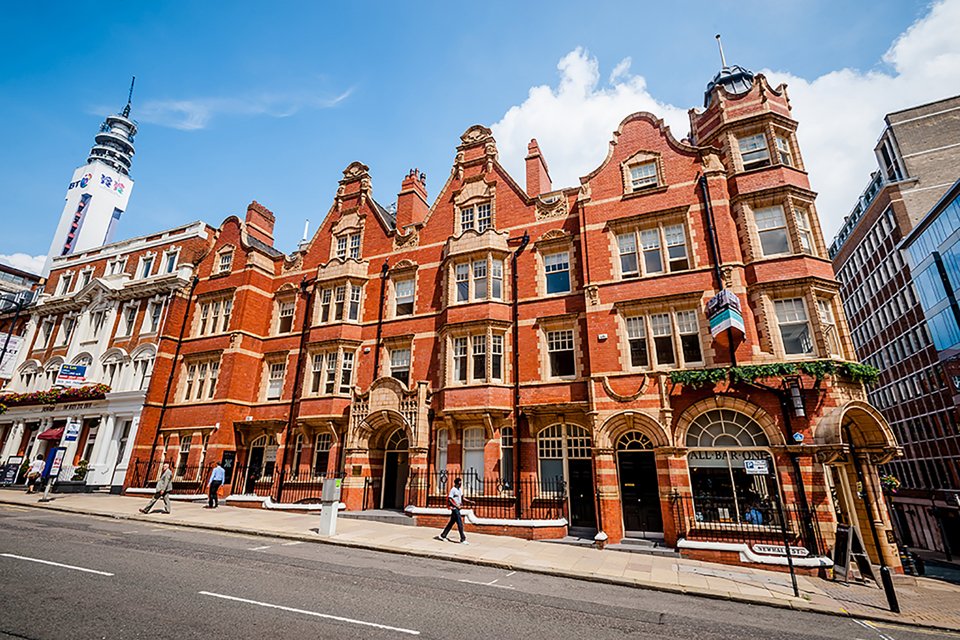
(53, 396)
(818, 369)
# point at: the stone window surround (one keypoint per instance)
(658, 219)
(269, 359)
(350, 223)
(489, 256)
(474, 192)
(556, 241)
(488, 328)
(639, 158)
(318, 348)
(405, 341)
(771, 129)
(285, 295)
(138, 274)
(206, 357)
(157, 299)
(808, 289)
(403, 270)
(665, 304)
(790, 200)
(223, 295)
(561, 322)
(332, 284)
(221, 254)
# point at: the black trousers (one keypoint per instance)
(214, 494)
(455, 517)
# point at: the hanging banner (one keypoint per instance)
(10, 355)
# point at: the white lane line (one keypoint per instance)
(867, 625)
(266, 546)
(513, 572)
(55, 564)
(327, 616)
(487, 584)
(290, 544)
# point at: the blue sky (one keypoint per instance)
(270, 101)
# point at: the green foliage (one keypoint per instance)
(750, 373)
(80, 472)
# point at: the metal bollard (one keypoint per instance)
(887, 581)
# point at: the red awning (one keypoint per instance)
(51, 434)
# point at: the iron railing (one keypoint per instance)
(721, 519)
(491, 496)
(186, 478)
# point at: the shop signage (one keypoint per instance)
(72, 375)
(723, 312)
(270, 453)
(756, 467)
(57, 462)
(10, 471)
(10, 355)
(778, 550)
(72, 432)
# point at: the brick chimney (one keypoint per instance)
(538, 176)
(412, 205)
(260, 222)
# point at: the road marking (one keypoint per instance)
(266, 546)
(900, 627)
(509, 574)
(290, 544)
(56, 564)
(488, 584)
(867, 625)
(327, 616)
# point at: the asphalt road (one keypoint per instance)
(130, 579)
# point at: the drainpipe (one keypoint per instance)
(715, 254)
(524, 241)
(384, 270)
(307, 288)
(176, 357)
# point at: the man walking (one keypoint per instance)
(35, 472)
(164, 487)
(455, 501)
(217, 477)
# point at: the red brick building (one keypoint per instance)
(549, 345)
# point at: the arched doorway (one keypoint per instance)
(396, 468)
(565, 453)
(261, 459)
(639, 486)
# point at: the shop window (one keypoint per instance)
(720, 441)
(794, 326)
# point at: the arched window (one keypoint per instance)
(634, 441)
(556, 446)
(29, 376)
(113, 369)
(263, 457)
(50, 372)
(143, 368)
(728, 451)
(397, 441)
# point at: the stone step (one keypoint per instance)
(575, 541)
(381, 515)
(640, 545)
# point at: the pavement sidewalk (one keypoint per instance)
(923, 602)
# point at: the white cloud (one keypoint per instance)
(196, 113)
(23, 261)
(574, 122)
(840, 113)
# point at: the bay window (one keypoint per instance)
(478, 279)
(674, 338)
(476, 357)
(804, 230)
(460, 359)
(324, 368)
(753, 151)
(772, 230)
(794, 326)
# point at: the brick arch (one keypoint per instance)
(867, 426)
(380, 425)
(620, 423)
(764, 419)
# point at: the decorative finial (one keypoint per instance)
(126, 109)
(723, 60)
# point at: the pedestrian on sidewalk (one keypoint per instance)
(217, 477)
(164, 487)
(455, 501)
(34, 473)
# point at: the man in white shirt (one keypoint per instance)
(455, 501)
(35, 473)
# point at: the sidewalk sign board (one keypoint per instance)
(10, 470)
